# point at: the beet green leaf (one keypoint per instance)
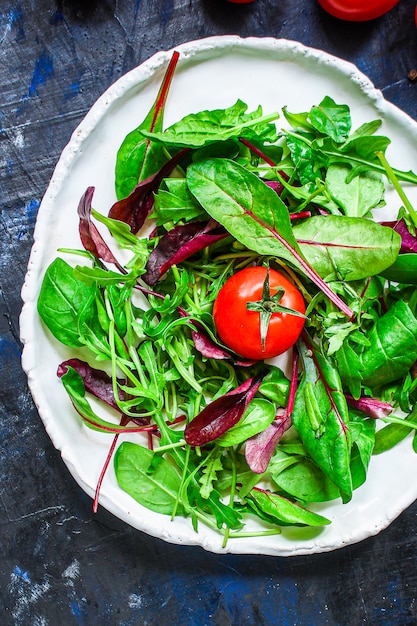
(321, 418)
(346, 248)
(137, 157)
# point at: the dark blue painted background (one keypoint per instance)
(60, 564)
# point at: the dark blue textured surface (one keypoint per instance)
(60, 564)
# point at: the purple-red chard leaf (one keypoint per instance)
(260, 448)
(207, 345)
(180, 243)
(96, 381)
(253, 213)
(90, 237)
(408, 241)
(371, 407)
(135, 208)
(221, 414)
(138, 157)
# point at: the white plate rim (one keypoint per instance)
(191, 50)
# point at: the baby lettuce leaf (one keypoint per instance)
(279, 510)
(357, 197)
(252, 212)
(392, 347)
(155, 485)
(137, 157)
(175, 203)
(321, 418)
(206, 127)
(346, 248)
(331, 119)
(65, 302)
(328, 119)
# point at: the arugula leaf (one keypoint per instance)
(175, 203)
(209, 474)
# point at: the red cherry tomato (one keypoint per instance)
(239, 328)
(357, 10)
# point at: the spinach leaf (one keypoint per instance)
(64, 301)
(279, 510)
(363, 441)
(349, 365)
(155, 485)
(392, 347)
(391, 434)
(304, 480)
(275, 386)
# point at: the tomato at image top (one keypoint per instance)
(357, 10)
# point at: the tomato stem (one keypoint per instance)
(269, 304)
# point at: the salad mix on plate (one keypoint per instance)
(257, 344)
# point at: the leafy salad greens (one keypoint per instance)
(208, 434)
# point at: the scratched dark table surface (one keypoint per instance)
(60, 563)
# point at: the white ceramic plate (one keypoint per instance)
(211, 73)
